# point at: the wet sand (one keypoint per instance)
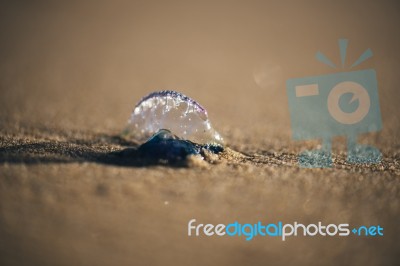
(70, 76)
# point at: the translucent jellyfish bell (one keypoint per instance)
(174, 111)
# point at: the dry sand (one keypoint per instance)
(70, 76)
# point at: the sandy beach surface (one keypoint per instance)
(71, 74)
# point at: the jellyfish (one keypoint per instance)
(173, 111)
(172, 126)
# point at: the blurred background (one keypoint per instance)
(68, 66)
(85, 64)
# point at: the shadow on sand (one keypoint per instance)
(96, 148)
